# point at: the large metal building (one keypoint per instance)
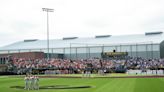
(148, 45)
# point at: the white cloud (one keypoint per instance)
(24, 19)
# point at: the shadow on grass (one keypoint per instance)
(56, 87)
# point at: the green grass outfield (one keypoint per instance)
(97, 84)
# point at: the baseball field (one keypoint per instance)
(73, 83)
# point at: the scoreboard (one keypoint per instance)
(114, 54)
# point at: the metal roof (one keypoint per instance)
(81, 42)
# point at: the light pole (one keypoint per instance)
(48, 10)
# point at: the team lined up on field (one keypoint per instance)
(31, 82)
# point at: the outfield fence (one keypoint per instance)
(147, 72)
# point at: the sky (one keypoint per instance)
(24, 19)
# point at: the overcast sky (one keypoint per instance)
(24, 19)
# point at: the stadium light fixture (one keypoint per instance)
(47, 10)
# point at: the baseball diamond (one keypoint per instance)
(75, 83)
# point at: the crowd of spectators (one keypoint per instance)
(66, 66)
(141, 63)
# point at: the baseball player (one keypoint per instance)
(26, 79)
(36, 82)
